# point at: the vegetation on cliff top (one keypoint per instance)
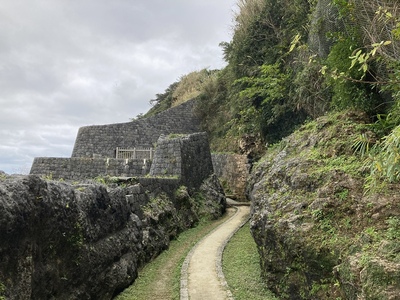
(187, 87)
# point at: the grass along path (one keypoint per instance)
(160, 279)
(241, 267)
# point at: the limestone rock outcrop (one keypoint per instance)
(85, 240)
(318, 234)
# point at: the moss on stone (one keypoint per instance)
(318, 234)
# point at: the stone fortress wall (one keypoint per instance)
(102, 140)
(94, 152)
(186, 156)
(180, 151)
(76, 168)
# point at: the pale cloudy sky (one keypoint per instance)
(70, 63)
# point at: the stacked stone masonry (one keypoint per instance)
(76, 168)
(186, 156)
(102, 140)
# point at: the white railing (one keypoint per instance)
(134, 153)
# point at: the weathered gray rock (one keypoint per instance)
(318, 234)
(233, 171)
(57, 241)
(84, 241)
(215, 199)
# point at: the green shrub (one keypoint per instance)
(310, 91)
(347, 89)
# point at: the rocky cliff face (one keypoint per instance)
(86, 241)
(318, 234)
(233, 171)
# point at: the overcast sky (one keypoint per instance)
(70, 63)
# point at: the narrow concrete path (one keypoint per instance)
(201, 276)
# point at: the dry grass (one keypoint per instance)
(248, 9)
(191, 85)
(379, 20)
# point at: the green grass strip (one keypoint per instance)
(160, 279)
(241, 266)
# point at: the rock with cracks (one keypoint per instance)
(83, 241)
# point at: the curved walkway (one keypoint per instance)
(201, 274)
